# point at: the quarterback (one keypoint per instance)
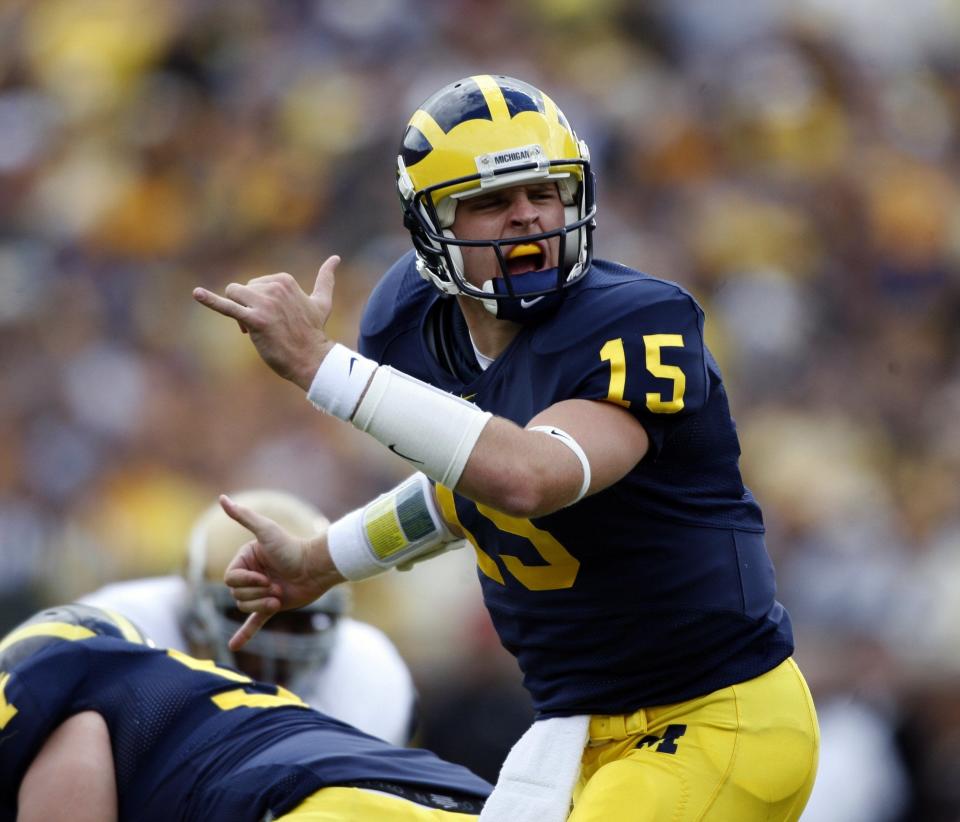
(565, 417)
(96, 724)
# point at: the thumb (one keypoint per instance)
(256, 523)
(323, 288)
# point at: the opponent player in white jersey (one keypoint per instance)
(341, 666)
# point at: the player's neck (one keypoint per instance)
(490, 336)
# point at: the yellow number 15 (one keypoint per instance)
(613, 353)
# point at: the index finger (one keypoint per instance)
(246, 631)
(222, 305)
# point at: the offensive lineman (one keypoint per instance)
(97, 725)
(564, 416)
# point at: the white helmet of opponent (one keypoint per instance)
(294, 644)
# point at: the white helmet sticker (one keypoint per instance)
(498, 162)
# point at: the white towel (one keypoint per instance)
(539, 774)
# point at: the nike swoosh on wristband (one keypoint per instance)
(403, 456)
(524, 303)
(353, 361)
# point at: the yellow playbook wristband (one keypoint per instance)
(394, 529)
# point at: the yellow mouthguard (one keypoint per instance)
(523, 250)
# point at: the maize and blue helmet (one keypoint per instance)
(481, 134)
(65, 623)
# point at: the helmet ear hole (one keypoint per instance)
(409, 221)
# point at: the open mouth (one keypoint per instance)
(524, 258)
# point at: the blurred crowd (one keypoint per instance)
(795, 165)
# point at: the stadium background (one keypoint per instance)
(795, 165)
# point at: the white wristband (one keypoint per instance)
(433, 430)
(394, 529)
(573, 445)
(340, 381)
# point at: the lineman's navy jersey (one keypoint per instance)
(195, 741)
(657, 589)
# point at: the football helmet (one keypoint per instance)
(293, 644)
(477, 135)
(65, 622)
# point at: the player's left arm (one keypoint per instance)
(533, 471)
(639, 371)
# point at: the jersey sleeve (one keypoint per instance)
(391, 307)
(645, 353)
(35, 696)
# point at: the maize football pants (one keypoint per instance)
(742, 753)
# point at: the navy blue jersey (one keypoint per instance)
(195, 741)
(657, 589)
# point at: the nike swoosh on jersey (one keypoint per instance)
(468, 397)
(393, 448)
(353, 361)
(524, 303)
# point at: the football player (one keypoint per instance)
(96, 724)
(564, 415)
(339, 665)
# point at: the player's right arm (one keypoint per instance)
(72, 778)
(277, 571)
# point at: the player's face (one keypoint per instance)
(510, 212)
(277, 668)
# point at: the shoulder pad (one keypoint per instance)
(396, 298)
(613, 296)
